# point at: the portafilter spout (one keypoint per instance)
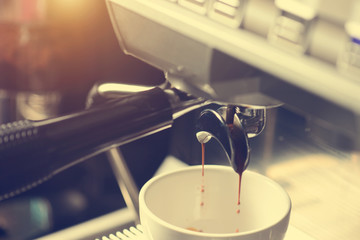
(225, 126)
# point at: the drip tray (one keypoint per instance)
(119, 225)
(136, 233)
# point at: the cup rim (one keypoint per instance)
(205, 234)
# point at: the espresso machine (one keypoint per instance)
(284, 73)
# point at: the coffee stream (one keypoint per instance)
(202, 189)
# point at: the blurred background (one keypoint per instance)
(51, 54)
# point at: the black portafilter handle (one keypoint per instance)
(33, 151)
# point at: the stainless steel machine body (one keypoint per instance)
(264, 53)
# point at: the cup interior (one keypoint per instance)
(176, 199)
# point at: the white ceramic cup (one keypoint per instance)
(172, 202)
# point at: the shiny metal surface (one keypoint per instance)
(253, 120)
(230, 135)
